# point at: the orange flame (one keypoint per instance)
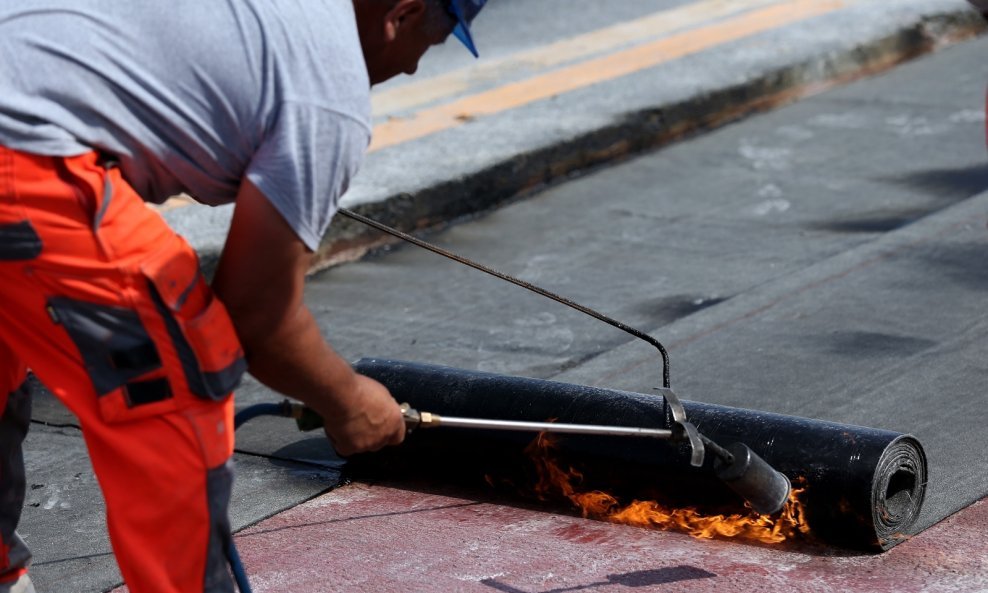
(553, 480)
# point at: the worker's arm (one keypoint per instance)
(261, 279)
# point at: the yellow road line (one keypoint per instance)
(594, 71)
(428, 90)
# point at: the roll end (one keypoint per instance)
(898, 490)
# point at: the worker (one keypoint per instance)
(108, 105)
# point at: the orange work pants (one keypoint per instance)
(108, 307)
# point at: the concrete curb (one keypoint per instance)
(524, 165)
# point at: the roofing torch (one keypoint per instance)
(750, 476)
(740, 468)
(765, 489)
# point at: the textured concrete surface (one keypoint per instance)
(377, 538)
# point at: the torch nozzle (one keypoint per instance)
(751, 477)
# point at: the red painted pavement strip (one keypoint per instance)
(381, 539)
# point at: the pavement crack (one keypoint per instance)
(360, 517)
(56, 424)
(313, 464)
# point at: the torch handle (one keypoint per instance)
(415, 419)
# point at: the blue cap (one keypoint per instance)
(464, 11)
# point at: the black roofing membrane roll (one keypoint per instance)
(864, 487)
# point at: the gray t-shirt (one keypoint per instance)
(194, 95)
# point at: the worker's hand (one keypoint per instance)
(373, 422)
(261, 280)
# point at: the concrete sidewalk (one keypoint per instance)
(427, 542)
(465, 139)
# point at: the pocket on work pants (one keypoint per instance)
(120, 357)
(166, 343)
(198, 324)
(137, 312)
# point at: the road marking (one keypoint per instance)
(421, 92)
(597, 70)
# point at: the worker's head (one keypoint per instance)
(395, 34)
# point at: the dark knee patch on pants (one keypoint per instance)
(14, 423)
(219, 485)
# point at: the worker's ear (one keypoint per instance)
(403, 14)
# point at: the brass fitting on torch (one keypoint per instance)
(415, 419)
